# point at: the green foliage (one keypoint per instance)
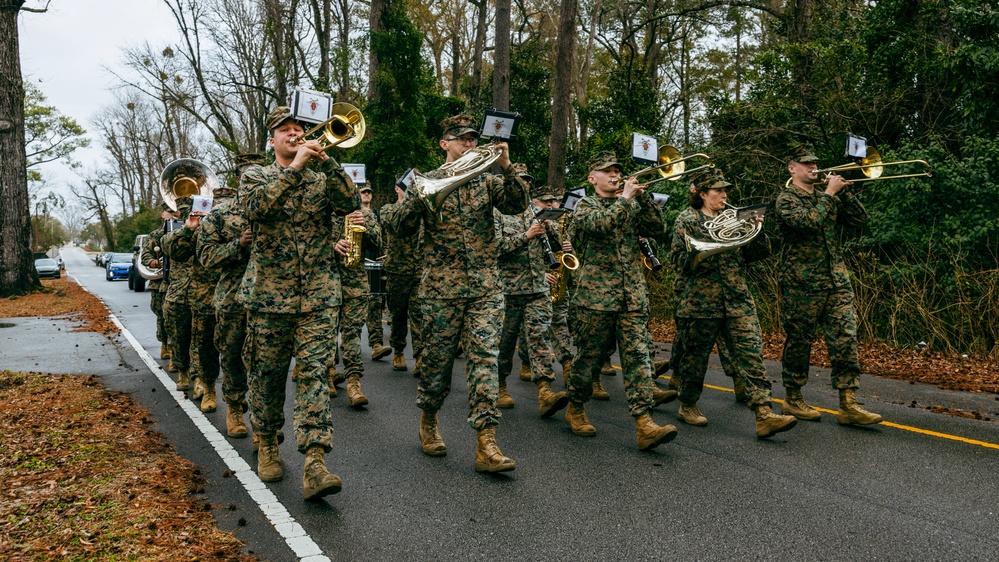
(530, 95)
(127, 228)
(48, 135)
(47, 232)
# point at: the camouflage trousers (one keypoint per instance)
(597, 331)
(405, 311)
(156, 299)
(350, 318)
(475, 324)
(530, 315)
(741, 337)
(230, 334)
(832, 311)
(271, 342)
(724, 354)
(204, 354)
(178, 324)
(558, 336)
(375, 305)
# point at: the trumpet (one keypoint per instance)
(671, 166)
(872, 167)
(345, 128)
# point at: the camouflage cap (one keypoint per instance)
(164, 207)
(803, 153)
(184, 206)
(364, 188)
(279, 115)
(548, 194)
(458, 125)
(712, 178)
(249, 158)
(520, 169)
(604, 160)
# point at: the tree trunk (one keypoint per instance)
(480, 48)
(17, 274)
(501, 57)
(583, 84)
(561, 86)
(375, 23)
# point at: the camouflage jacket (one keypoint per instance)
(201, 280)
(521, 261)
(460, 241)
(403, 253)
(605, 234)
(152, 249)
(291, 268)
(808, 223)
(717, 286)
(355, 281)
(219, 250)
(181, 265)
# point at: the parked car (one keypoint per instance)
(137, 282)
(102, 259)
(119, 264)
(48, 267)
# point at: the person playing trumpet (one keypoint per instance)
(815, 286)
(610, 300)
(715, 305)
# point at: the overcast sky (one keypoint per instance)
(66, 50)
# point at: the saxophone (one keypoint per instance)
(566, 261)
(352, 233)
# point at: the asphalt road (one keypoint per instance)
(922, 486)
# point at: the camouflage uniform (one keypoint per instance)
(460, 290)
(177, 303)
(158, 287)
(353, 308)
(403, 269)
(525, 290)
(815, 285)
(219, 250)
(610, 303)
(716, 305)
(291, 290)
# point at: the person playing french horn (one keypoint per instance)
(716, 304)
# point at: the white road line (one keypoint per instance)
(294, 534)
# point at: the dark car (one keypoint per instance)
(102, 259)
(119, 265)
(48, 267)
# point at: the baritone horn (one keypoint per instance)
(345, 128)
(872, 167)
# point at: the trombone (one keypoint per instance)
(872, 167)
(671, 165)
(344, 129)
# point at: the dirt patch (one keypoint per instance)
(84, 479)
(948, 372)
(61, 297)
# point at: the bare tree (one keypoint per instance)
(561, 88)
(501, 56)
(94, 198)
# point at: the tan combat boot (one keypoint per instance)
(769, 423)
(794, 405)
(399, 362)
(661, 367)
(566, 371)
(674, 381)
(317, 481)
(331, 382)
(607, 369)
(379, 351)
(578, 422)
(660, 396)
(183, 380)
(354, 394)
(430, 438)
(488, 457)
(504, 401)
(199, 388)
(525, 372)
(209, 402)
(650, 435)
(164, 351)
(234, 424)
(598, 391)
(256, 440)
(269, 459)
(171, 368)
(550, 402)
(418, 367)
(739, 388)
(851, 412)
(691, 415)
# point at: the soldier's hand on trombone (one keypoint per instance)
(632, 188)
(834, 184)
(310, 149)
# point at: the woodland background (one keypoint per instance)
(737, 80)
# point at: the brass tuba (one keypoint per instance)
(471, 165)
(352, 233)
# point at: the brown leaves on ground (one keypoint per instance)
(84, 479)
(948, 372)
(60, 297)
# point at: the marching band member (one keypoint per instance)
(610, 300)
(815, 288)
(461, 294)
(716, 304)
(526, 278)
(403, 268)
(376, 303)
(152, 257)
(291, 290)
(177, 305)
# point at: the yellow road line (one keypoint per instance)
(931, 433)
